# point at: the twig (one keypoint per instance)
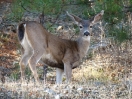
(56, 18)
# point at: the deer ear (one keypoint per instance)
(76, 19)
(98, 17)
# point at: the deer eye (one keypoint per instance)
(80, 27)
(91, 26)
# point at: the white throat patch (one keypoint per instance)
(87, 38)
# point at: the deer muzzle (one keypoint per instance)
(86, 33)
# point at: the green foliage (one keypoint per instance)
(48, 6)
(113, 15)
(14, 76)
(28, 72)
(83, 2)
(35, 6)
(119, 34)
(17, 12)
(76, 29)
(113, 10)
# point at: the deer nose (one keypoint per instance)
(86, 33)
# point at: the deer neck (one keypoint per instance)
(83, 45)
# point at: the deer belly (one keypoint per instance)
(49, 57)
(50, 61)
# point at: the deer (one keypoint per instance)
(63, 54)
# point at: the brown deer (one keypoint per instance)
(62, 54)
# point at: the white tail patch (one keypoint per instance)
(24, 25)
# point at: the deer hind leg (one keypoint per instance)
(32, 63)
(27, 53)
(59, 75)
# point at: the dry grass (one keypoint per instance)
(110, 63)
(107, 75)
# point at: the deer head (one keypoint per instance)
(86, 26)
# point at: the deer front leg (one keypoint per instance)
(68, 72)
(59, 75)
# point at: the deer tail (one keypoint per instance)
(21, 30)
